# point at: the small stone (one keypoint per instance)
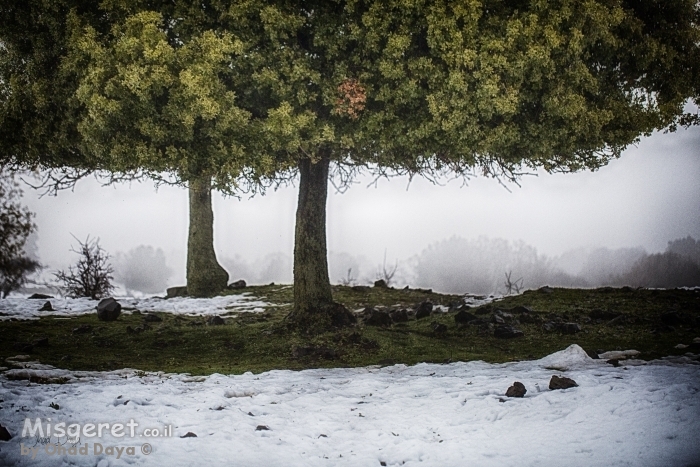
(507, 332)
(671, 318)
(54, 406)
(4, 434)
(529, 318)
(516, 390)
(484, 328)
(152, 318)
(561, 382)
(108, 309)
(399, 316)
(39, 296)
(424, 309)
(381, 284)
(82, 329)
(239, 284)
(681, 346)
(215, 321)
(41, 342)
(262, 428)
(614, 362)
(46, 307)
(23, 347)
(603, 315)
(464, 317)
(359, 288)
(546, 290)
(189, 434)
(180, 291)
(549, 326)
(374, 317)
(593, 354)
(497, 319)
(438, 328)
(569, 328)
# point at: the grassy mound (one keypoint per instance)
(651, 321)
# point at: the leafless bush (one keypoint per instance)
(349, 279)
(513, 286)
(91, 276)
(386, 274)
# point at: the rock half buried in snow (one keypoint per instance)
(507, 332)
(516, 390)
(262, 428)
(619, 354)
(46, 307)
(189, 434)
(108, 309)
(39, 296)
(561, 382)
(4, 434)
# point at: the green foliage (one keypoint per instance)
(251, 87)
(157, 106)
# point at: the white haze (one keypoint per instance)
(637, 203)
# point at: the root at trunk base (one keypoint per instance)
(321, 318)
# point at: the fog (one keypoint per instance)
(580, 229)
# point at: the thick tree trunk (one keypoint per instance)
(205, 276)
(312, 287)
(314, 308)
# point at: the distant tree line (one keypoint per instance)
(459, 265)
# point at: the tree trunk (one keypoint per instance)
(314, 309)
(205, 276)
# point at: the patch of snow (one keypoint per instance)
(571, 357)
(23, 308)
(645, 415)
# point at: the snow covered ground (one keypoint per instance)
(24, 308)
(638, 414)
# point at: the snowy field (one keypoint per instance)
(638, 414)
(23, 308)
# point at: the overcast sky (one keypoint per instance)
(649, 196)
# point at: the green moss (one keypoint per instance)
(256, 342)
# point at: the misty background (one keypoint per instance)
(633, 222)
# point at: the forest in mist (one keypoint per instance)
(455, 265)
